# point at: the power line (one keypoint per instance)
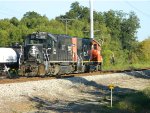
(5, 13)
(8, 11)
(66, 22)
(145, 14)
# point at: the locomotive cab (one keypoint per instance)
(96, 57)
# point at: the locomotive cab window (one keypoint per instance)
(50, 43)
(33, 42)
(95, 46)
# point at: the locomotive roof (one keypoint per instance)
(55, 36)
(52, 36)
(62, 36)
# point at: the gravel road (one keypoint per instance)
(77, 94)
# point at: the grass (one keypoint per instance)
(138, 102)
(126, 66)
(135, 102)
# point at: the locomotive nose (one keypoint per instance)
(33, 51)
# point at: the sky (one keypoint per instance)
(53, 8)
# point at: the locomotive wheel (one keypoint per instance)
(70, 69)
(21, 71)
(32, 71)
(13, 73)
(50, 70)
(58, 76)
(56, 70)
(83, 69)
(87, 68)
(41, 70)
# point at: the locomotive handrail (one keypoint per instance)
(53, 37)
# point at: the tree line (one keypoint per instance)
(116, 31)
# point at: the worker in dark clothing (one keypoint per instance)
(112, 59)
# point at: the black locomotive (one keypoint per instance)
(45, 54)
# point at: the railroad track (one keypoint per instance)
(4, 80)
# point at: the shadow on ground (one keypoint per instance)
(101, 103)
(44, 106)
(80, 80)
(145, 74)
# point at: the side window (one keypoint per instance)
(95, 46)
(49, 43)
(85, 50)
(84, 47)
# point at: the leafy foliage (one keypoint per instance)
(144, 50)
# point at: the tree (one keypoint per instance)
(144, 50)
(4, 38)
(31, 15)
(14, 21)
(33, 19)
(114, 30)
(129, 28)
(56, 27)
(113, 22)
(16, 35)
(5, 24)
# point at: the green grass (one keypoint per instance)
(126, 66)
(138, 102)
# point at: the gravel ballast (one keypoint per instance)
(61, 93)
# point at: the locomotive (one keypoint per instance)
(46, 54)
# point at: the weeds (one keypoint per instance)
(134, 102)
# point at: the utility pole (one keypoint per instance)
(66, 22)
(91, 20)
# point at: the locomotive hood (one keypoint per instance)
(8, 55)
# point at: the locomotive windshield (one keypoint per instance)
(36, 38)
(37, 41)
(42, 38)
